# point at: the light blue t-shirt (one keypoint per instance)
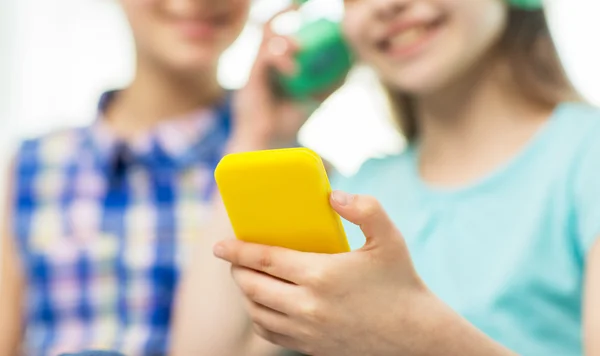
(508, 252)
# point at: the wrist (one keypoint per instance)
(246, 143)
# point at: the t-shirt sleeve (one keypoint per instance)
(587, 193)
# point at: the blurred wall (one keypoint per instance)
(575, 26)
(7, 58)
(6, 66)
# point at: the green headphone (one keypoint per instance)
(325, 58)
(527, 4)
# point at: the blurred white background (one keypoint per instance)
(57, 56)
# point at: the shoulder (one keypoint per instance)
(572, 135)
(578, 120)
(582, 110)
(52, 149)
(580, 129)
(579, 133)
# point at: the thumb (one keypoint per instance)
(366, 212)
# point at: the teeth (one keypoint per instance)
(408, 37)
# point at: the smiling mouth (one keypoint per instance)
(201, 28)
(410, 39)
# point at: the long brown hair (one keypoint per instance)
(535, 66)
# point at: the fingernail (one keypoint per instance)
(277, 46)
(342, 198)
(219, 251)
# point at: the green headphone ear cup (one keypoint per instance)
(527, 4)
(323, 61)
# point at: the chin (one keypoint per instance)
(414, 84)
(420, 79)
(194, 61)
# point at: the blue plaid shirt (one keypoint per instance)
(102, 227)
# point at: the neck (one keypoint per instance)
(482, 121)
(157, 94)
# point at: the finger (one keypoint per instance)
(279, 54)
(284, 341)
(282, 263)
(265, 290)
(366, 212)
(280, 45)
(275, 52)
(269, 319)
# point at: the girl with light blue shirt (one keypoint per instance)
(482, 236)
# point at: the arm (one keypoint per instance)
(587, 193)
(209, 316)
(591, 309)
(11, 291)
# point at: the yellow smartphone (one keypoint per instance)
(281, 198)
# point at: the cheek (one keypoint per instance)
(143, 17)
(135, 9)
(355, 32)
(156, 37)
(242, 7)
(482, 20)
(473, 27)
(474, 31)
(240, 14)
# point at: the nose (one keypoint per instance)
(388, 9)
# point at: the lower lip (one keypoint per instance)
(197, 30)
(415, 48)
